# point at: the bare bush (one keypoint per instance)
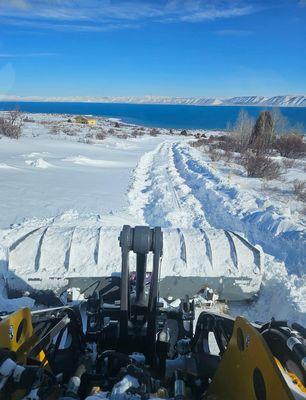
(100, 135)
(242, 131)
(200, 136)
(288, 163)
(122, 136)
(260, 166)
(239, 135)
(227, 156)
(136, 132)
(199, 142)
(55, 130)
(111, 131)
(11, 124)
(154, 132)
(214, 154)
(290, 146)
(281, 123)
(299, 189)
(27, 119)
(69, 132)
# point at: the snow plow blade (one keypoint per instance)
(48, 256)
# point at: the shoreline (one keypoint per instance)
(155, 104)
(172, 116)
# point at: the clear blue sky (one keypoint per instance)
(157, 47)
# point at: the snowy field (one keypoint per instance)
(62, 174)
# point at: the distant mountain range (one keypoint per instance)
(277, 101)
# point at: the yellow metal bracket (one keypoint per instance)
(17, 334)
(248, 370)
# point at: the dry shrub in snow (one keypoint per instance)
(55, 130)
(197, 135)
(122, 136)
(290, 146)
(11, 124)
(198, 143)
(136, 132)
(288, 163)
(100, 135)
(69, 132)
(239, 139)
(27, 119)
(281, 123)
(154, 132)
(227, 156)
(259, 165)
(299, 189)
(214, 154)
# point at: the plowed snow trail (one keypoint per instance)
(161, 196)
(175, 186)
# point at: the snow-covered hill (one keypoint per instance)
(276, 101)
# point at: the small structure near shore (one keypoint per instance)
(85, 120)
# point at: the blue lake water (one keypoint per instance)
(166, 116)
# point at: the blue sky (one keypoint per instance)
(159, 47)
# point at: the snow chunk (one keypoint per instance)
(38, 163)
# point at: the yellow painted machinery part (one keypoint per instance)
(247, 370)
(16, 334)
(295, 380)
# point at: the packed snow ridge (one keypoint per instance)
(277, 101)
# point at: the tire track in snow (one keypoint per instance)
(160, 196)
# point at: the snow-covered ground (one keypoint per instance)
(155, 180)
(44, 174)
(43, 177)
